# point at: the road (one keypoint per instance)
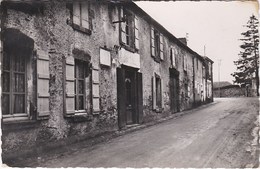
(222, 134)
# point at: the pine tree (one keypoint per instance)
(248, 62)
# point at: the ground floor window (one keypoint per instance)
(14, 85)
(79, 84)
(158, 92)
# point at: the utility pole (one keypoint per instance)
(219, 63)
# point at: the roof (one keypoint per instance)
(148, 18)
(221, 84)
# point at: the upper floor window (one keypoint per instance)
(129, 29)
(172, 57)
(209, 69)
(81, 18)
(157, 45)
(185, 63)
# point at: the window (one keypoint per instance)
(172, 56)
(185, 64)
(14, 85)
(187, 90)
(79, 84)
(81, 17)
(157, 93)
(157, 45)
(209, 70)
(25, 81)
(81, 92)
(129, 29)
(197, 63)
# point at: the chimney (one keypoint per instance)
(183, 40)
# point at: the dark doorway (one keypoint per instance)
(174, 90)
(130, 96)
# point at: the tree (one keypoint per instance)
(248, 62)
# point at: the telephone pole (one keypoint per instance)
(219, 63)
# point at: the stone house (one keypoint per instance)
(78, 69)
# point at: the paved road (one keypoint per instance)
(218, 135)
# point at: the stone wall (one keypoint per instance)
(230, 92)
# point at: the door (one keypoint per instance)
(130, 97)
(174, 90)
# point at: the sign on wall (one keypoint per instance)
(105, 57)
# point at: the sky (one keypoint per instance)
(212, 28)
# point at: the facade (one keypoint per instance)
(75, 70)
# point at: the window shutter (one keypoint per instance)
(76, 13)
(121, 105)
(154, 92)
(43, 78)
(95, 90)
(152, 42)
(85, 15)
(189, 91)
(140, 97)
(161, 47)
(122, 26)
(70, 89)
(136, 33)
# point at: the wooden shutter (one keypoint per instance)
(162, 103)
(121, 96)
(85, 15)
(43, 78)
(140, 97)
(70, 89)
(189, 91)
(152, 42)
(122, 26)
(95, 90)
(136, 33)
(161, 47)
(173, 58)
(154, 92)
(76, 13)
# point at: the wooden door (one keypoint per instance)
(130, 96)
(174, 90)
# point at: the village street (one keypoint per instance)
(221, 134)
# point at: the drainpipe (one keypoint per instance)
(193, 80)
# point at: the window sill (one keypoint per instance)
(82, 117)
(159, 110)
(156, 59)
(78, 27)
(129, 48)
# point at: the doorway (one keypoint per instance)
(174, 90)
(130, 96)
